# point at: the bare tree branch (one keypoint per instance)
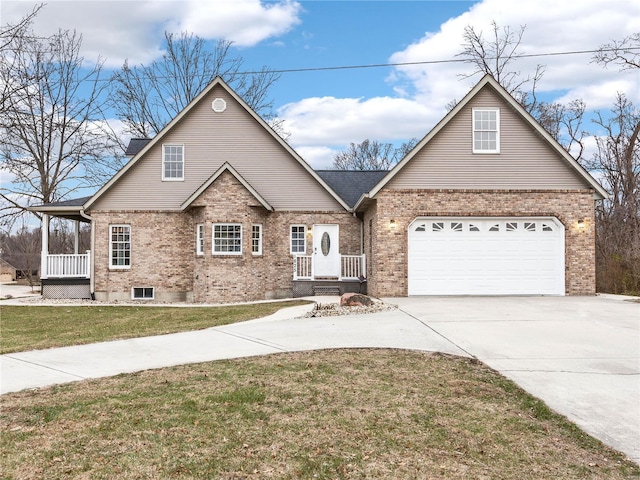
(625, 53)
(371, 155)
(146, 98)
(54, 138)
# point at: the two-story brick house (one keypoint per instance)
(218, 208)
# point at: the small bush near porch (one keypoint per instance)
(335, 414)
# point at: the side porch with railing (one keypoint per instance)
(64, 275)
(352, 277)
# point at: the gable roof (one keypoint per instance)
(487, 80)
(351, 184)
(226, 167)
(155, 140)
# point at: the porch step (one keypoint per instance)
(326, 290)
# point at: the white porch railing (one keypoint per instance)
(66, 266)
(352, 267)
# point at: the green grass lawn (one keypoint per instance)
(336, 414)
(36, 327)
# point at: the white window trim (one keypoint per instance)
(152, 297)
(213, 239)
(111, 265)
(259, 252)
(304, 228)
(473, 130)
(200, 232)
(173, 179)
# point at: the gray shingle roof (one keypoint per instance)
(351, 184)
(74, 202)
(135, 145)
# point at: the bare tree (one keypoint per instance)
(146, 98)
(21, 248)
(54, 139)
(617, 163)
(564, 123)
(371, 155)
(625, 53)
(11, 37)
(496, 55)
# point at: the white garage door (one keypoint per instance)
(486, 256)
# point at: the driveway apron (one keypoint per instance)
(581, 355)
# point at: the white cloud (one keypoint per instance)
(551, 26)
(245, 22)
(339, 121)
(424, 90)
(119, 30)
(318, 157)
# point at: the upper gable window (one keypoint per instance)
(173, 162)
(486, 130)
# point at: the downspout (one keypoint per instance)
(92, 281)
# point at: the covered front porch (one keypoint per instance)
(327, 271)
(351, 276)
(64, 275)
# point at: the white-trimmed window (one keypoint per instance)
(227, 239)
(298, 241)
(142, 293)
(120, 246)
(486, 130)
(200, 239)
(173, 162)
(256, 239)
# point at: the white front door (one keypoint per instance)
(326, 251)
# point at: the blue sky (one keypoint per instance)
(326, 110)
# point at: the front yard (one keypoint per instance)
(36, 327)
(338, 414)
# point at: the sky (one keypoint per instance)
(325, 110)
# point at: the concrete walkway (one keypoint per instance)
(581, 355)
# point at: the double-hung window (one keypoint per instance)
(486, 130)
(200, 239)
(256, 239)
(120, 246)
(173, 162)
(227, 239)
(298, 242)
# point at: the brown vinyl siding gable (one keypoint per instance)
(209, 140)
(525, 160)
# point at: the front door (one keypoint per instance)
(326, 252)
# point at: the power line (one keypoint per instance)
(429, 62)
(400, 64)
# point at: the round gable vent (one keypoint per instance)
(219, 105)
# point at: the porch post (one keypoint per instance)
(44, 230)
(76, 238)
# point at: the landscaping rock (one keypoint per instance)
(355, 300)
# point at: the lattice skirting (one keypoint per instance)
(309, 288)
(63, 288)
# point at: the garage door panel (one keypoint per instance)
(486, 256)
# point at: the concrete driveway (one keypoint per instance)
(581, 355)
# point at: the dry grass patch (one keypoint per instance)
(329, 414)
(37, 327)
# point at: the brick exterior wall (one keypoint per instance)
(388, 263)
(163, 249)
